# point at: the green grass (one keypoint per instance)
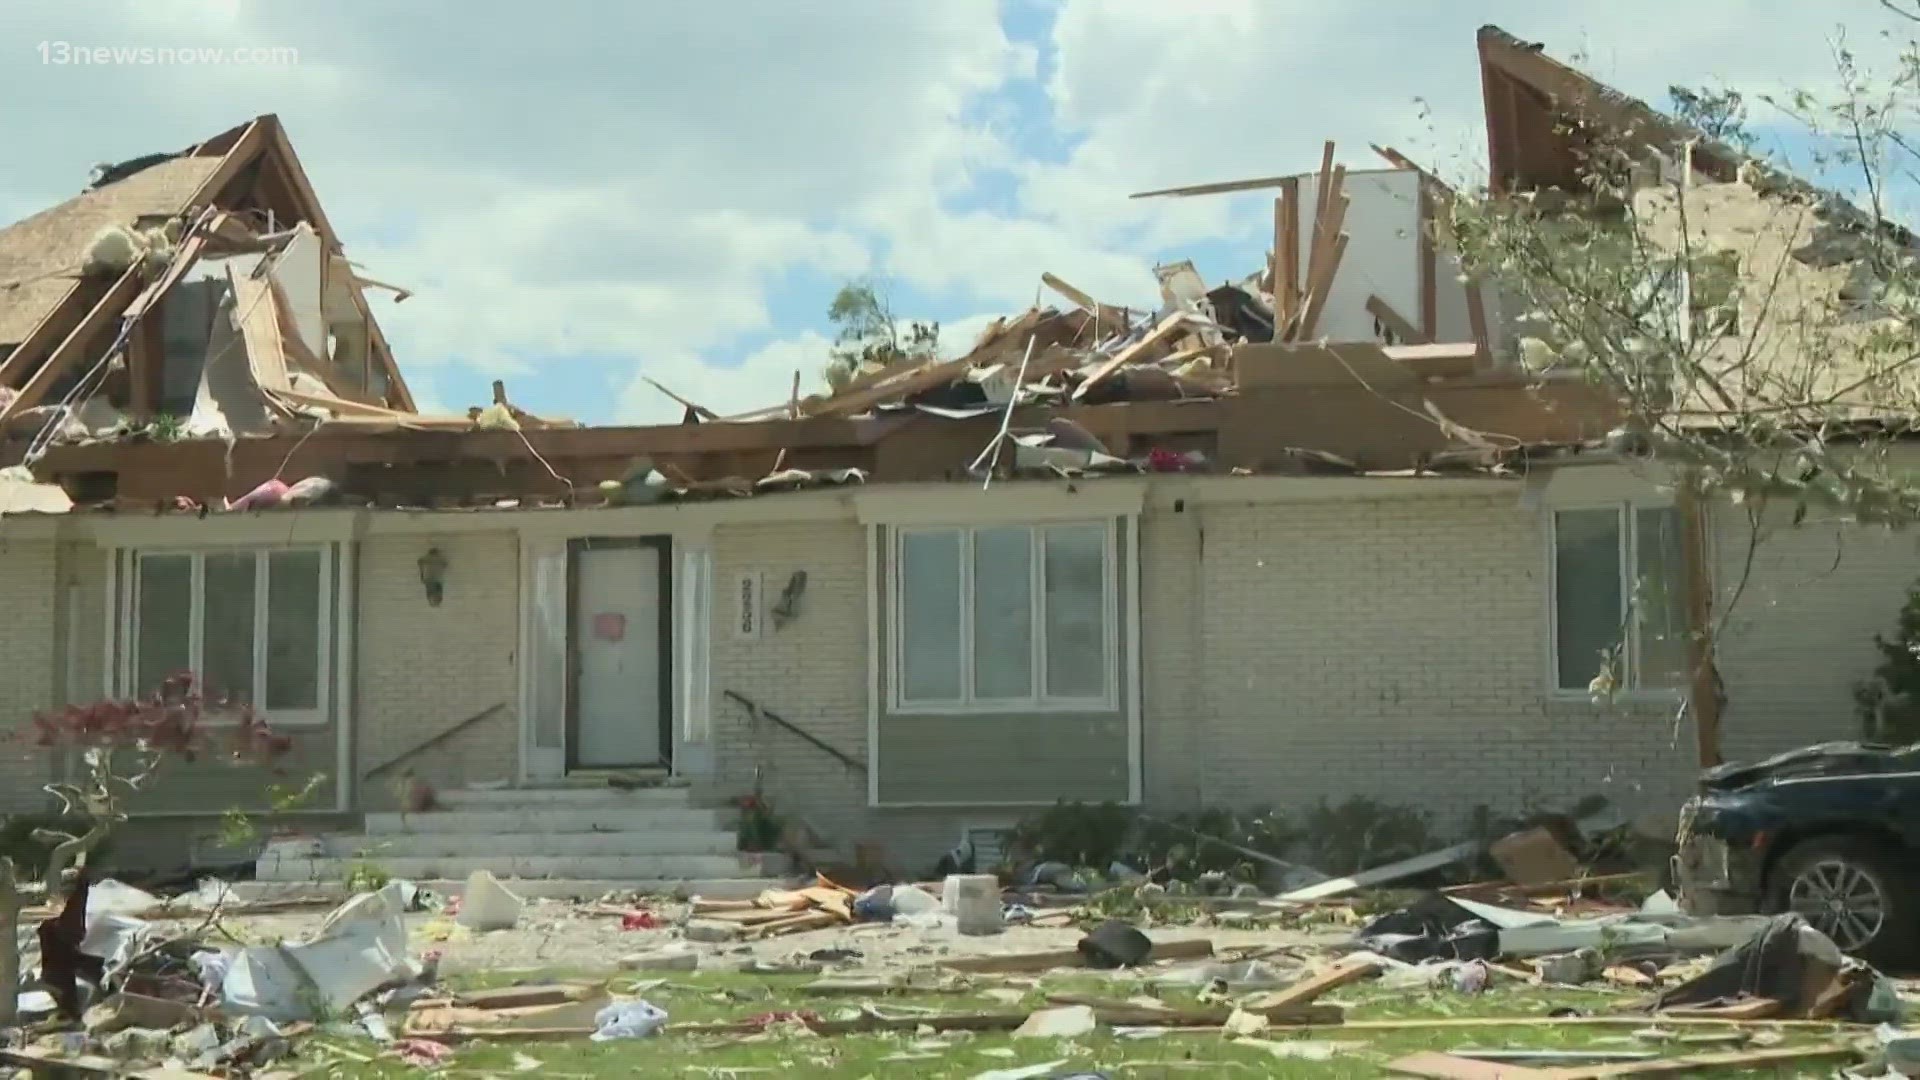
(705, 997)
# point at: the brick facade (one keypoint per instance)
(30, 633)
(423, 669)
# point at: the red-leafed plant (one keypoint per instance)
(122, 745)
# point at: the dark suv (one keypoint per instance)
(1830, 831)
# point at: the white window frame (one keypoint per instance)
(128, 626)
(1108, 700)
(1626, 516)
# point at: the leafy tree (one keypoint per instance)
(122, 747)
(867, 333)
(1756, 332)
(1889, 701)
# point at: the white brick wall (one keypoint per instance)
(422, 669)
(1799, 627)
(1393, 648)
(28, 637)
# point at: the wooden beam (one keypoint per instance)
(1317, 303)
(1286, 292)
(1164, 332)
(104, 312)
(244, 152)
(53, 327)
(1107, 314)
(1213, 189)
(1704, 676)
(700, 411)
(1405, 331)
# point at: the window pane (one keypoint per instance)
(226, 651)
(293, 630)
(1659, 598)
(1586, 564)
(163, 620)
(930, 616)
(1002, 613)
(1076, 610)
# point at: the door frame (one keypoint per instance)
(663, 546)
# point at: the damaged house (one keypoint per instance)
(1317, 533)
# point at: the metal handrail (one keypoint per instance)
(758, 712)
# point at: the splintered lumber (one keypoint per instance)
(1014, 963)
(701, 411)
(1309, 990)
(1168, 328)
(1286, 252)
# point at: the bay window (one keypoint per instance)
(255, 626)
(1004, 617)
(1618, 598)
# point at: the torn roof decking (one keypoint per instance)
(51, 313)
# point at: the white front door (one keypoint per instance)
(618, 684)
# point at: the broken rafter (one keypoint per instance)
(1222, 188)
(1164, 332)
(701, 411)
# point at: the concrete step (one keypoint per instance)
(561, 798)
(618, 867)
(530, 888)
(592, 819)
(444, 844)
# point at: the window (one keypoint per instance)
(1618, 598)
(1005, 617)
(253, 625)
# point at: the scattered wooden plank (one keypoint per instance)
(1736, 1059)
(1435, 1065)
(1015, 963)
(1307, 991)
(520, 997)
(45, 1062)
(1129, 1014)
(1406, 332)
(1756, 1009)
(457, 1035)
(806, 920)
(1168, 328)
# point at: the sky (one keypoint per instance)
(582, 194)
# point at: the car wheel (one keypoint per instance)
(1851, 890)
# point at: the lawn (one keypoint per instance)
(1353, 1050)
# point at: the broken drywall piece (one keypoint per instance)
(487, 905)
(1069, 1022)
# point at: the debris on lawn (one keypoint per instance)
(937, 963)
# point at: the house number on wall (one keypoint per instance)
(746, 621)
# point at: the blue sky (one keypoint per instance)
(584, 194)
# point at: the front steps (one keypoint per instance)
(647, 838)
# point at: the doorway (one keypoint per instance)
(620, 645)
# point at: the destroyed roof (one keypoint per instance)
(40, 257)
(1808, 245)
(75, 279)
